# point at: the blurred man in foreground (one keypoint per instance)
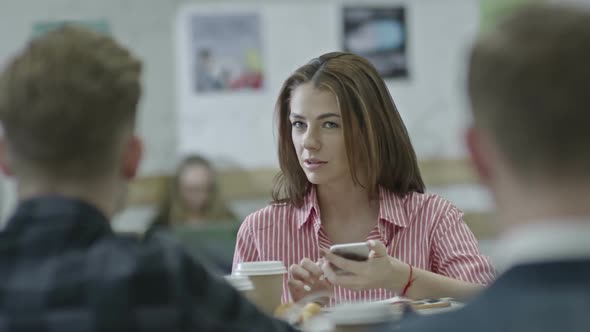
(530, 143)
(68, 106)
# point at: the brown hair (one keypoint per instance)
(172, 208)
(66, 100)
(373, 129)
(528, 86)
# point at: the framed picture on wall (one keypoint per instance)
(380, 35)
(226, 52)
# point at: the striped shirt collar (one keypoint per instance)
(391, 209)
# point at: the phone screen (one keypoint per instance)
(354, 251)
(351, 256)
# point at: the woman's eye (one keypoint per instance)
(330, 125)
(298, 124)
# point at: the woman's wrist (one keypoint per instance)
(409, 283)
(399, 276)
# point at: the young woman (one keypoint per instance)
(348, 174)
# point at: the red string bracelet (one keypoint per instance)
(409, 283)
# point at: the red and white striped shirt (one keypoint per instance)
(423, 230)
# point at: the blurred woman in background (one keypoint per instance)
(193, 196)
(194, 213)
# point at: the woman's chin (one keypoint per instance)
(316, 179)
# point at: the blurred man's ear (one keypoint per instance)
(480, 154)
(131, 157)
(4, 158)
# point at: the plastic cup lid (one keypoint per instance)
(260, 268)
(361, 313)
(241, 283)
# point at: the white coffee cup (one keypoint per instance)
(243, 284)
(267, 277)
(353, 317)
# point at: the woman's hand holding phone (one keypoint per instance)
(378, 271)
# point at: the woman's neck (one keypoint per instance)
(346, 203)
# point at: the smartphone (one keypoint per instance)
(358, 251)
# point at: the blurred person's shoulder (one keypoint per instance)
(484, 313)
(139, 256)
(535, 296)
